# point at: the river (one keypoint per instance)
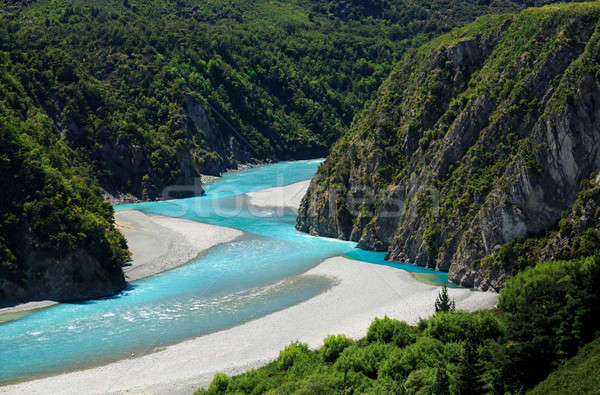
(230, 284)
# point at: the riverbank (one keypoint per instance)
(15, 312)
(285, 197)
(363, 291)
(158, 244)
(117, 197)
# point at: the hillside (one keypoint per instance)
(57, 237)
(132, 96)
(482, 137)
(576, 376)
(155, 93)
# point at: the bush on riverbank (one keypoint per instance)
(505, 350)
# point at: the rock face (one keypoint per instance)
(74, 277)
(132, 171)
(479, 138)
(226, 144)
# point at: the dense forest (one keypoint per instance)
(153, 93)
(545, 316)
(57, 236)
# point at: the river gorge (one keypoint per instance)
(261, 272)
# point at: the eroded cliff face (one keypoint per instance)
(479, 138)
(208, 147)
(76, 276)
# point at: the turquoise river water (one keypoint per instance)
(231, 283)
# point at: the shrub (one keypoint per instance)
(290, 354)
(320, 384)
(219, 384)
(420, 381)
(555, 299)
(253, 381)
(494, 360)
(365, 360)
(441, 384)
(333, 347)
(452, 351)
(385, 386)
(462, 326)
(551, 309)
(426, 352)
(387, 330)
(393, 366)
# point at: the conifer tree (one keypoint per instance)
(469, 371)
(443, 302)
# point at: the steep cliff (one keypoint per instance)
(577, 235)
(480, 137)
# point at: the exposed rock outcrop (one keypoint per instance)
(479, 138)
(132, 171)
(74, 277)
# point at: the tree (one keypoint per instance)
(441, 385)
(387, 330)
(552, 310)
(333, 347)
(443, 302)
(469, 371)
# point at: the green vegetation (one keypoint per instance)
(545, 315)
(51, 205)
(466, 115)
(125, 80)
(333, 346)
(551, 309)
(410, 16)
(577, 235)
(578, 375)
(443, 302)
(136, 95)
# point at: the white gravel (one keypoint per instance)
(286, 197)
(161, 243)
(363, 291)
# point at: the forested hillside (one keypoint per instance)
(57, 238)
(153, 93)
(482, 137)
(134, 95)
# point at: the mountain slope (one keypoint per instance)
(154, 93)
(576, 376)
(57, 237)
(478, 138)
